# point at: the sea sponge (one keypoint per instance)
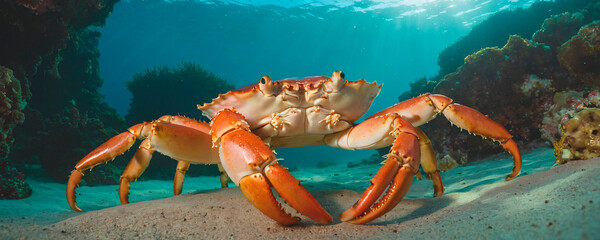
(582, 134)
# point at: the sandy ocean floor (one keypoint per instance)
(544, 202)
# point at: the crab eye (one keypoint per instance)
(337, 82)
(263, 80)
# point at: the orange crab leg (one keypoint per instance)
(253, 166)
(73, 183)
(477, 123)
(182, 167)
(429, 163)
(134, 169)
(105, 152)
(178, 137)
(422, 109)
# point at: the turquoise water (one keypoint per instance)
(391, 42)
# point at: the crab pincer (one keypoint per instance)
(253, 166)
(396, 175)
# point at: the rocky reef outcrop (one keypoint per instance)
(527, 85)
(581, 136)
(42, 43)
(523, 22)
(12, 185)
(176, 90)
(581, 54)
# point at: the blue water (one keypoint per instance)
(392, 42)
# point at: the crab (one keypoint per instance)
(248, 123)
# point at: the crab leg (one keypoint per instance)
(182, 167)
(105, 152)
(253, 166)
(429, 163)
(477, 123)
(401, 164)
(422, 109)
(177, 137)
(134, 169)
(223, 175)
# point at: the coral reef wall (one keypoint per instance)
(42, 42)
(172, 91)
(12, 103)
(494, 31)
(521, 85)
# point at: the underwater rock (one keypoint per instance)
(558, 29)
(66, 104)
(582, 134)
(581, 54)
(533, 85)
(32, 29)
(496, 29)
(418, 87)
(12, 184)
(519, 85)
(11, 106)
(508, 84)
(562, 104)
(34, 35)
(162, 91)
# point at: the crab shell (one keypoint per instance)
(295, 113)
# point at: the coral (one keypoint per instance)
(563, 104)
(32, 29)
(497, 82)
(12, 184)
(558, 29)
(534, 84)
(11, 106)
(581, 54)
(516, 84)
(494, 31)
(33, 33)
(172, 91)
(66, 102)
(582, 134)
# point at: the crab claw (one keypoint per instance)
(253, 166)
(398, 171)
(257, 189)
(256, 186)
